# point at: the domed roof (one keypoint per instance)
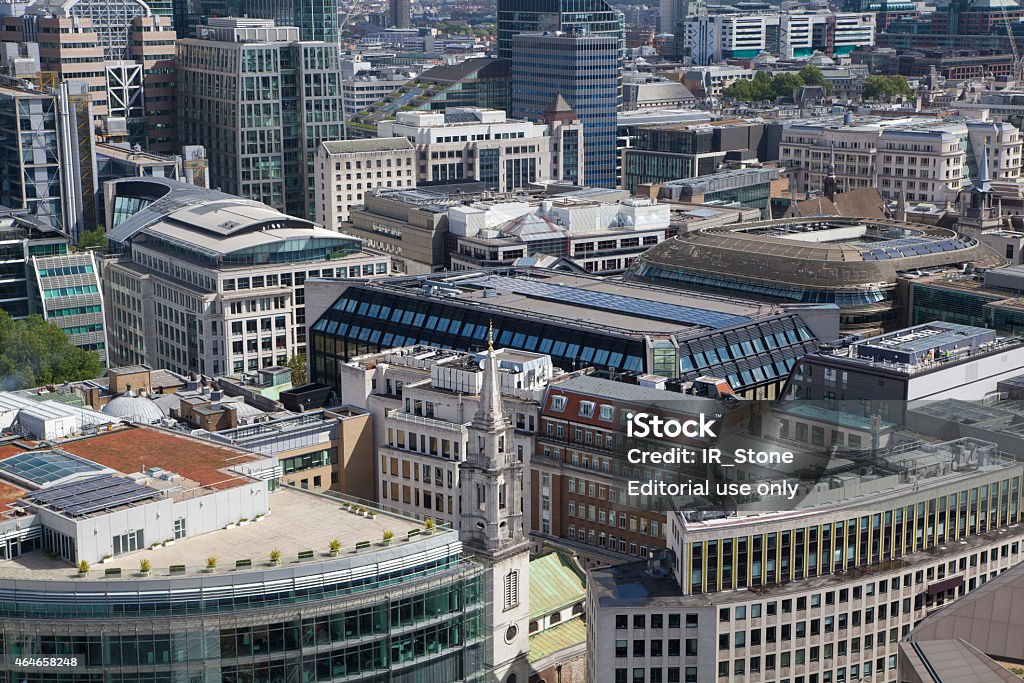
(131, 406)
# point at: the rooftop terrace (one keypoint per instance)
(287, 529)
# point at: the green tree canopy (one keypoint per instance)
(886, 87)
(34, 352)
(765, 87)
(812, 75)
(297, 363)
(92, 238)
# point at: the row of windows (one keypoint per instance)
(762, 559)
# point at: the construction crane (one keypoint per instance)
(1018, 66)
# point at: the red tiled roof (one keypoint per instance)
(137, 448)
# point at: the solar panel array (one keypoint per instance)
(95, 494)
(912, 246)
(43, 467)
(615, 303)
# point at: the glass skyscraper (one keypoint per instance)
(316, 19)
(584, 69)
(591, 17)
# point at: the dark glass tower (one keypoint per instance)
(316, 19)
(584, 70)
(593, 17)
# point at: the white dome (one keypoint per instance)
(129, 406)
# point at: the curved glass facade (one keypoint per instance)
(865, 295)
(426, 627)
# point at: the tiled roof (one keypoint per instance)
(555, 583)
(556, 638)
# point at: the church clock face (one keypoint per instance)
(511, 632)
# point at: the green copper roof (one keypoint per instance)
(560, 637)
(555, 583)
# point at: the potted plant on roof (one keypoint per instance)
(387, 537)
(211, 564)
(428, 526)
(335, 547)
(145, 567)
(275, 557)
(83, 568)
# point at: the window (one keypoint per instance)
(511, 590)
(179, 528)
(558, 403)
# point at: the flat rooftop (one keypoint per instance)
(926, 337)
(632, 585)
(137, 449)
(584, 300)
(287, 529)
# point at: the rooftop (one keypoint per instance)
(286, 529)
(138, 449)
(634, 585)
(367, 145)
(563, 636)
(609, 303)
(555, 583)
(924, 347)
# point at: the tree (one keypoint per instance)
(812, 75)
(298, 367)
(784, 84)
(34, 352)
(92, 239)
(886, 87)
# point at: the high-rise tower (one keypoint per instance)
(492, 528)
(583, 69)
(589, 17)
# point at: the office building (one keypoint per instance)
(927, 362)
(579, 494)
(823, 592)
(659, 154)
(421, 400)
(982, 299)
(853, 264)
(590, 17)
(346, 170)
(261, 132)
(596, 237)
(71, 297)
(325, 450)
(644, 91)
(400, 13)
(713, 38)
(928, 160)
(480, 82)
(25, 238)
(361, 92)
(482, 145)
(316, 19)
(580, 321)
(124, 51)
(584, 70)
(747, 187)
(47, 155)
(140, 506)
(203, 281)
(468, 227)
